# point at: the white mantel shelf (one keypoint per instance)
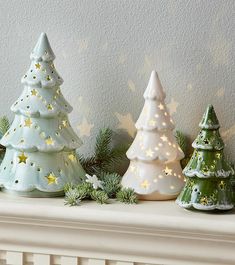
(146, 233)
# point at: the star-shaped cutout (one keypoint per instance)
(22, 158)
(145, 184)
(126, 123)
(152, 122)
(49, 141)
(51, 179)
(160, 106)
(85, 128)
(149, 152)
(168, 171)
(172, 106)
(65, 123)
(27, 123)
(72, 157)
(48, 78)
(37, 65)
(34, 92)
(49, 107)
(164, 138)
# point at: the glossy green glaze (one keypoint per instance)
(208, 174)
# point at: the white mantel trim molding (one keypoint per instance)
(149, 233)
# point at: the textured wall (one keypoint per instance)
(107, 49)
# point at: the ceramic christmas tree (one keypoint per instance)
(208, 175)
(40, 144)
(154, 171)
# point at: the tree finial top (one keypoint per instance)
(42, 51)
(154, 89)
(209, 119)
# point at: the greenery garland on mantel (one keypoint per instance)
(102, 182)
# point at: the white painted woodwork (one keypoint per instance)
(45, 232)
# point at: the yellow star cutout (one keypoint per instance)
(27, 123)
(48, 78)
(152, 122)
(51, 179)
(161, 107)
(65, 123)
(22, 158)
(164, 138)
(49, 107)
(72, 157)
(49, 141)
(34, 92)
(149, 152)
(168, 171)
(37, 65)
(145, 184)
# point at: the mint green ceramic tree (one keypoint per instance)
(208, 175)
(40, 144)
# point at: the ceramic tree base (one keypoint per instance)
(156, 196)
(34, 193)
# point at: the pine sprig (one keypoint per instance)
(4, 125)
(84, 190)
(72, 197)
(111, 183)
(127, 195)
(99, 196)
(105, 154)
(103, 142)
(181, 140)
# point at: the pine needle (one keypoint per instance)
(99, 196)
(127, 195)
(181, 140)
(111, 183)
(4, 125)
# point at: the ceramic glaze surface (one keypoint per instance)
(40, 157)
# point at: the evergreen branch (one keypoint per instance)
(84, 190)
(72, 197)
(103, 142)
(181, 140)
(99, 196)
(105, 156)
(68, 186)
(4, 125)
(127, 195)
(111, 183)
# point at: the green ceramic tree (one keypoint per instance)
(208, 175)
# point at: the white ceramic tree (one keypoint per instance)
(40, 144)
(154, 171)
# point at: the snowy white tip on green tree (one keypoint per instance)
(40, 144)
(154, 171)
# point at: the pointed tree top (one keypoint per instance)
(209, 119)
(42, 51)
(154, 89)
